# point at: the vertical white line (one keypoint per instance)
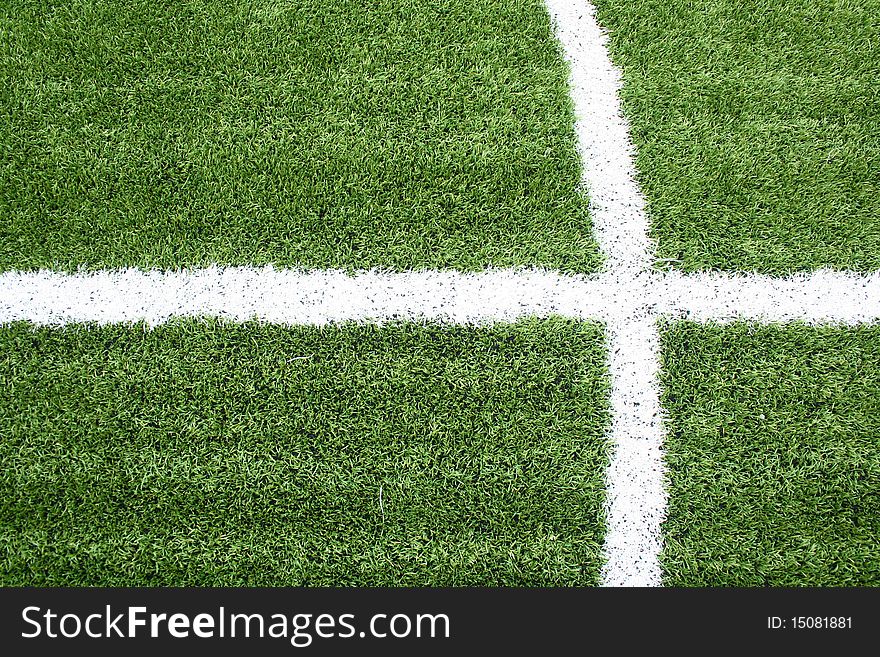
(635, 484)
(636, 493)
(617, 207)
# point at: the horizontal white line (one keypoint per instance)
(291, 296)
(495, 295)
(823, 296)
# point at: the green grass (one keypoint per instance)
(312, 133)
(773, 452)
(204, 453)
(757, 127)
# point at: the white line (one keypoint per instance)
(295, 297)
(636, 500)
(822, 296)
(284, 296)
(617, 207)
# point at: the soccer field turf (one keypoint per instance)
(773, 450)
(302, 133)
(522, 394)
(757, 127)
(242, 454)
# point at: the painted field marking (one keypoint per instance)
(629, 296)
(636, 490)
(286, 296)
(629, 305)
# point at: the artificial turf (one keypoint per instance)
(303, 133)
(757, 129)
(773, 453)
(205, 453)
